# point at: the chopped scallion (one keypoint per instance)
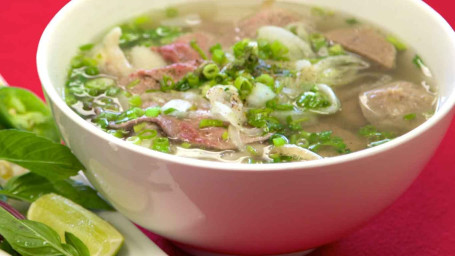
(204, 123)
(400, 46)
(198, 49)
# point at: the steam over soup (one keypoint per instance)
(257, 84)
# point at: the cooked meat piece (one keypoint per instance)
(386, 106)
(366, 42)
(203, 39)
(266, 17)
(150, 79)
(178, 52)
(188, 130)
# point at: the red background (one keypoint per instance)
(419, 223)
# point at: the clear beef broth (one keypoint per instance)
(304, 120)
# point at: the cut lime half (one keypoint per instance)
(63, 215)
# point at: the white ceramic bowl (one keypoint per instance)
(248, 209)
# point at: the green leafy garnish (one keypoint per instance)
(410, 117)
(30, 238)
(352, 21)
(161, 144)
(80, 247)
(198, 49)
(204, 123)
(30, 186)
(171, 12)
(400, 46)
(134, 34)
(418, 61)
(374, 136)
(39, 155)
(21, 109)
(317, 140)
(318, 41)
(312, 99)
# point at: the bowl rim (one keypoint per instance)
(55, 98)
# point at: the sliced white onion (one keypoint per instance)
(111, 58)
(260, 94)
(226, 105)
(235, 138)
(295, 151)
(181, 107)
(298, 48)
(335, 104)
(144, 58)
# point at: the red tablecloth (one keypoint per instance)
(420, 223)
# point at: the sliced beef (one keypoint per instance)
(203, 39)
(386, 106)
(181, 51)
(150, 79)
(366, 42)
(266, 17)
(188, 130)
(178, 52)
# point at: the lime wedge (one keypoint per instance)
(63, 215)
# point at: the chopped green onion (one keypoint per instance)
(138, 112)
(92, 71)
(101, 83)
(400, 46)
(147, 134)
(113, 91)
(141, 20)
(198, 49)
(133, 83)
(318, 41)
(171, 12)
(139, 127)
(135, 101)
(225, 136)
(86, 47)
(319, 11)
(185, 145)
(336, 49)
(204, 123)
(410, 117)
(266, 79)
(161, 144)
(352, 21)
(169, 111)
(134, 139)
(167, 83)
(117, 133)
(279, 141)
(251, 150)
(152, 111)
(418, 61)
(210, 71)
(193, 80)
(244, 86)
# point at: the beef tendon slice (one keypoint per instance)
(366, 42)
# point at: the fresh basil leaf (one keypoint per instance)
(81, 194)
(30, 186)
(27, 187)
(39, 155)
(21, 109)
(74, 241)
(30, 238)
(6, 247)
